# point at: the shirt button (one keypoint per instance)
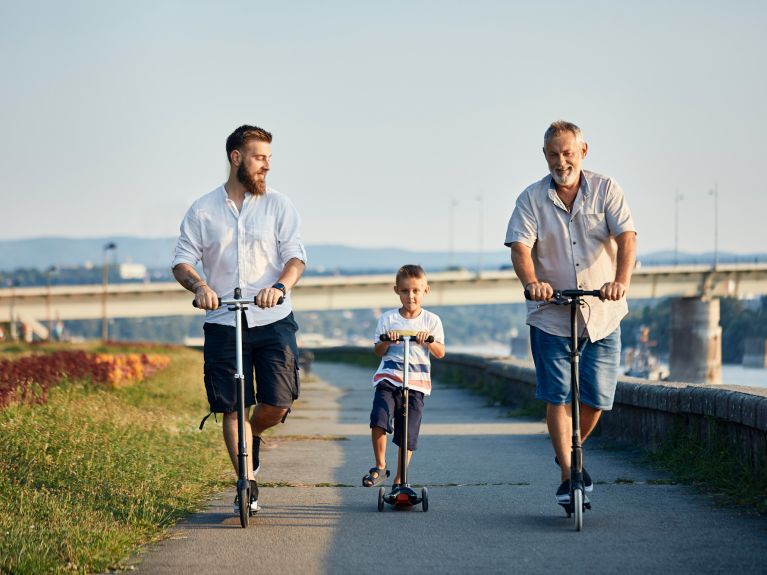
(574, 243)
(577, 264)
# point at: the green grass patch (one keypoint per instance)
(714, 469)
(88, 477)
(536, 410)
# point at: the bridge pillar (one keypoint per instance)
(696, 341)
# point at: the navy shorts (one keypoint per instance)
(268, 350)
(387, 407)
(597, 376)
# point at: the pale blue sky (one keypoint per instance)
(113, 115)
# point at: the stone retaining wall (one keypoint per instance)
(645, 413)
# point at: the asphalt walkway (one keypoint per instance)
(491, 483)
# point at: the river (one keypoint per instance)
(731, 374)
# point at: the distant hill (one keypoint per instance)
(156, 253)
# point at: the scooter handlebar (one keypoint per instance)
(385, 337)
(568, 293)
(234, 301)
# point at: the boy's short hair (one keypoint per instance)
(410, 271)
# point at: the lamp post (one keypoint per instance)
(48, 273)
(12, 326)
(451, 238)
(105, 283)
(677, 198)
(715, 193)
(480, 200)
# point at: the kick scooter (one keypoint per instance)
(238, 305)
(577, 504)
(405, 496)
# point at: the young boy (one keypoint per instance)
(411, 287)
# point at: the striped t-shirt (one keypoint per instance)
(391, 367)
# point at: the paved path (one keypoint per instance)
(491, 492)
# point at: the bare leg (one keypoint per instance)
(379, 446)
(231, 439)
(399, 464)
(266, 416)
(559, 422)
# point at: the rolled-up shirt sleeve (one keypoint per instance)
(523, 226)
(189, 245)
(617, 212)
(289, 240)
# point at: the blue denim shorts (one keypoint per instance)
(598, 373)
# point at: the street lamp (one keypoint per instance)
(48, 273)
(677, 198)
(12, 283)
(480, 200)
(104, 283)
(715, 193)
(453, 204)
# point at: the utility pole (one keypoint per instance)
(715, 193)
(105, 284)
(677, 198)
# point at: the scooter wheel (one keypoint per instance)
(578, 508)
(424, 499)
(381, 493)
(243, 493)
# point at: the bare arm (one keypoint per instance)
(626, 258)
(291, 273)
(188, 277)
(522, 259)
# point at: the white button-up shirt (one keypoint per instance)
(246, 249)
(573, 250)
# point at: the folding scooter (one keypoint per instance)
(238, 305)
(577, 505)
(405, 496)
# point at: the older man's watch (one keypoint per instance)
(280, 287)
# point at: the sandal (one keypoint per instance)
(380, 475)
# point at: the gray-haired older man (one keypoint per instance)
(573, 230)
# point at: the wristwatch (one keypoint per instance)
(280, 287)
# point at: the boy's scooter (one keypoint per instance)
(405, 496)
(577, 504)
(238, 305)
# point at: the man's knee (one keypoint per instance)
(269, 415)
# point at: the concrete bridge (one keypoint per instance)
(359, 292)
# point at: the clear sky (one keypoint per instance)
(388, 116)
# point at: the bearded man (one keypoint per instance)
(573, 230)
(247, 236)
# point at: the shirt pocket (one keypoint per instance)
(595, 226)
(261, 245)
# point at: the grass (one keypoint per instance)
(714, 469)
(88, 477)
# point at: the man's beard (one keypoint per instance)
(567, 180)
(254, 186)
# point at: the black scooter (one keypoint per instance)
(577, 504)
(405, 496)
(238, 305)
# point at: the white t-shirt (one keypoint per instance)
(392, 364)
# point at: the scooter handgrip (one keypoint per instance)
(385, 337)
(194, 303)
(527, 294)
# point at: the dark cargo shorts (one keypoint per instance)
(387, 406)
(268, 350)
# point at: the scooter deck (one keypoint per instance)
(403, 497)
